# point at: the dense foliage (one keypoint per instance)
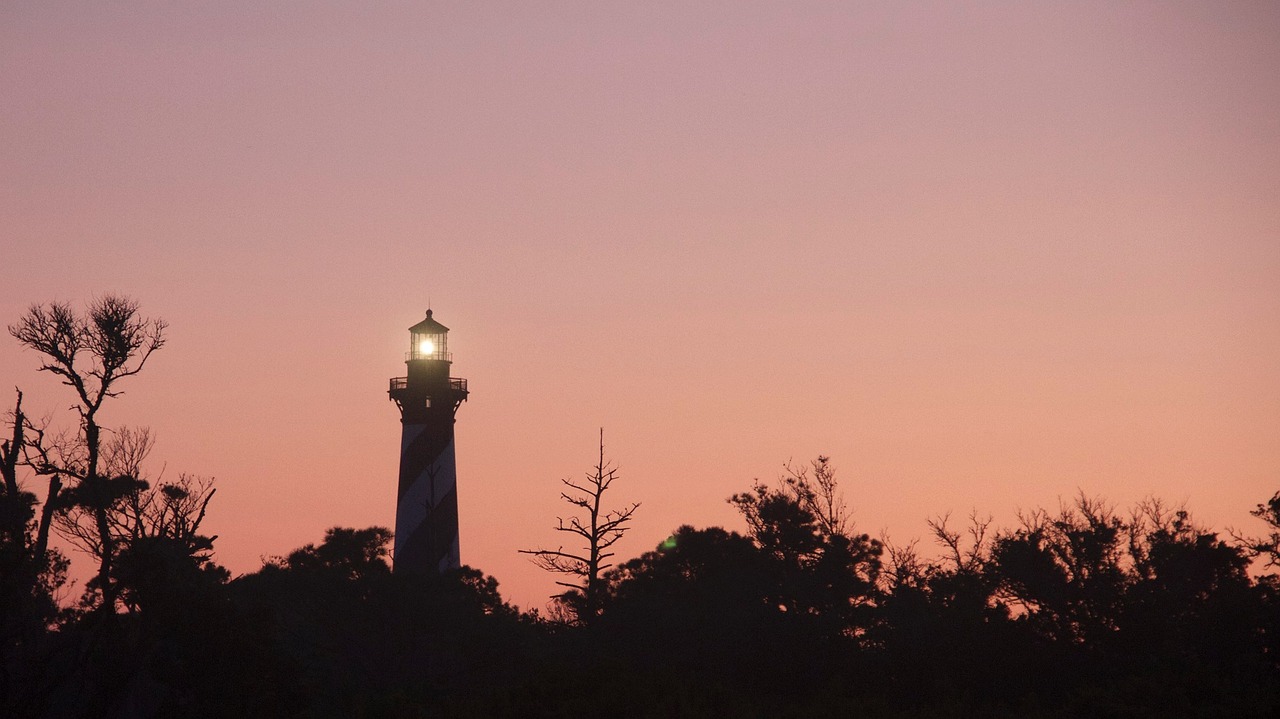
(1076, 613)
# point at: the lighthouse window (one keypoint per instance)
(426, 402)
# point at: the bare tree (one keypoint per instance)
(962, 559)
(905, 569)
(90, 353)
(599, 531)
(820, 494)
(139, 508)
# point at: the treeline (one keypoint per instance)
(1076, 613)
(1081, 611)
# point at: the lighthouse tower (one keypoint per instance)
(427, 501)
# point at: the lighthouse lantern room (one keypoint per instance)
(429, 340)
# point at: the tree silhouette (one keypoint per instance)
(352, 554)
(1065, 570)
(91, 353)
(348, 637)
(32, 570)
(1190, 592)
(599, 531)
(826, 570)
(1267, 547)
(30, 573)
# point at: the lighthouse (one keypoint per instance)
(427, 499)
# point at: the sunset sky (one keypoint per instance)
(984, 255)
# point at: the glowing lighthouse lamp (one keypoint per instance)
(427, 500)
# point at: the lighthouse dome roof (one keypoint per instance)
(429, 327)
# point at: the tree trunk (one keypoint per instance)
(46, 520)
(101, 503)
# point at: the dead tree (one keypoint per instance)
(90, 353)
(18, 506)
(599, 530)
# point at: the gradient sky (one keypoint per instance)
(982, 255)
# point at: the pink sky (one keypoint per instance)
(981, 255)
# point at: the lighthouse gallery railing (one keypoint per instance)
(457, 383)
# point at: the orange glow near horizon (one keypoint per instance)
(983, 259)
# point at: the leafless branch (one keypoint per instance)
(598, 530)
